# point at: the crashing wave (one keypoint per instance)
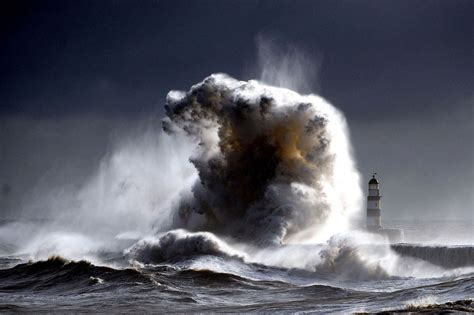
(271, 163)
(179, 244)
(343, 259)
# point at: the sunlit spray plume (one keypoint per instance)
(268, 165)
(273, 164)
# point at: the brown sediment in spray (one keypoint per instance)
(262, 157)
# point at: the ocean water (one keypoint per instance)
(245, 203)
(206, 281)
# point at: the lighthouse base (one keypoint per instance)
(393, 235)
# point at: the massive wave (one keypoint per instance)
(245, 175)
(273, 165)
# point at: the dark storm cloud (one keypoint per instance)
(389, 65)
(123, 56)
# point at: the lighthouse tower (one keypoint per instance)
(374, 221)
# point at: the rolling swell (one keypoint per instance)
(62, 285)
(217, 280)
(60, 275)
(444, 256)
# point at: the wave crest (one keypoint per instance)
(180, 244)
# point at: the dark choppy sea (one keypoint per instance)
(213, 283)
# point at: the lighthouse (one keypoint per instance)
(374, 216)
(374, 221)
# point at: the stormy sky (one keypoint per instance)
(75, 75)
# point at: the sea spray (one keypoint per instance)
(129, 196)
(272, 163)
